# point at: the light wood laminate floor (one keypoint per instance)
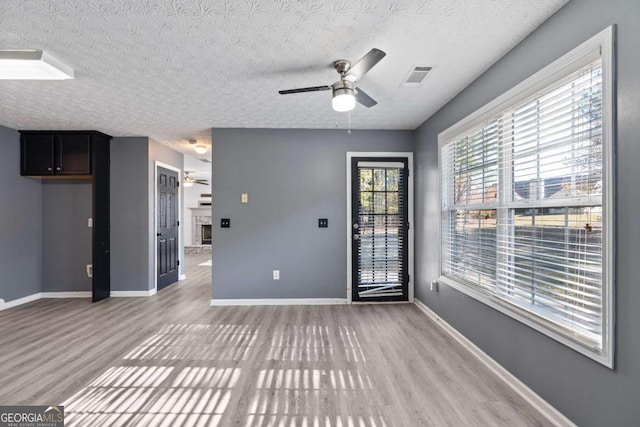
(171, 360)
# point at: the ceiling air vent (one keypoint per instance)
(416, 75)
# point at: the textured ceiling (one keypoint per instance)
(196, 167)
(172, 69)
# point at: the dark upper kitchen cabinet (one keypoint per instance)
(71, 155)
(55, 153)
(37, 154)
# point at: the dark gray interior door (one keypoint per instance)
(167, 227)
(379, 230)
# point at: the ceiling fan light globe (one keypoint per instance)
(343, 100)
(201, 149)
(187, 184)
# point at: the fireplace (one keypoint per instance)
(206, 234)
(201, 226)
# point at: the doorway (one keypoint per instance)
(379, 227)
(198, 230)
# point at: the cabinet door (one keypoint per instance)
(36, 153)
(73, 154)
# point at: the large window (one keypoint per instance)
(527, 201)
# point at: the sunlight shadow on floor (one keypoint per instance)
(223, 374)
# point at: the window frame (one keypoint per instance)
(602, 46)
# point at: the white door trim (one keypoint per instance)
(155, 219)
(399, 154)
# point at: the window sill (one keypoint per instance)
(549, 329)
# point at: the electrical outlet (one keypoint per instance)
(90, 222)
(276, 274)
(434, 285)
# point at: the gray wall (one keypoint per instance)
(133, 212)
(585, 391)
(45, 242)
(20, 223)
(129, 214)
(164, 154)
(66, 236)
(292, 177)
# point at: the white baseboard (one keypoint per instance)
(182, 277)
(16, 302)
(41, 295)
(554, 416)
(277, 301)
(77, 294)
(132, 294)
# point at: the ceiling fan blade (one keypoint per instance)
(304, 89)
(364, 99)
(202, 183)
(365, 63)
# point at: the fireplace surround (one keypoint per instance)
(201, 230)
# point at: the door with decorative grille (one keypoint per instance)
(379, 229)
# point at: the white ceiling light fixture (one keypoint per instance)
(199, 148)
(344, 98)
(187, 181)
(32, 65)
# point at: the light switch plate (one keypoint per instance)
(276, 274)
(244, 198)
(90, 223)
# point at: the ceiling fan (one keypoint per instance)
(345, 94)
(189, 181)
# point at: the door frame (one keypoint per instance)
(396, 154)
(181, 275)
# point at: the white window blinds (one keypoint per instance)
(524, 218)
(470, 175)
(549, 245)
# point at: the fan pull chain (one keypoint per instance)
(349, 131)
